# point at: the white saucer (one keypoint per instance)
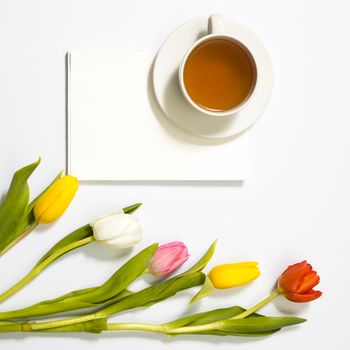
(179, 111)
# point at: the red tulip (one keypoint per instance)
(297, 282)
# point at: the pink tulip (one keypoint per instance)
(168, 258)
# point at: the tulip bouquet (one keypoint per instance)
(119, 229)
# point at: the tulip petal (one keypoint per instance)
(112, 212)
(177, 262)
(112, 226)
(310, 281)
(55, 200)
(168, 258)
(124, 241)
(304, 297)
(58, 206)
(292, 277)
(232, 275)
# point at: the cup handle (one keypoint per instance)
(216, 24)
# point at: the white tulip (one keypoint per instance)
(117, 229)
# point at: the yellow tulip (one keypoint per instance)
(233, 275)
(55, 200)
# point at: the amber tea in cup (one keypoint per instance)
(219, 74)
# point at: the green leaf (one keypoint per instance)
(205, 317)
(109, 292)
(202, 263)
(214, 323)
(125, 293)
(131, 208)
(206, 290)
(208, 317)
(77, 235)
(219, 322)
(75, 293)
(132, 269)
(256, 324)
(13, 208)
(154, 294)
(221, 333)
(256, 334)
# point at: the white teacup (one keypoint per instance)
(216, 30)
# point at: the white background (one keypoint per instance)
(294, 206)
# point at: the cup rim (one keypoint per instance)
(188, 97)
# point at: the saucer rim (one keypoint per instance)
(234, 131)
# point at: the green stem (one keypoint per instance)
(42, 265)
(256, 307)
(193, 329)
(158, 328)
(26, 232)
(32, 326)
(147, 327)
(10, 327)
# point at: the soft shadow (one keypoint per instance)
(132, 335)
(285, 306)
(229, 292)
(67, 67)
(190, 183)
(101, 252)
(183, 338)
(43, 228)
(288, 307)
(201, 34)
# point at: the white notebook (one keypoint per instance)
(116, 131)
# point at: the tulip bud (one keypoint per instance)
(117, 229)
(168, 258)
(56, 199)
(297, 282)
(233, 275)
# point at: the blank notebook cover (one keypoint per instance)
(116, 131)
